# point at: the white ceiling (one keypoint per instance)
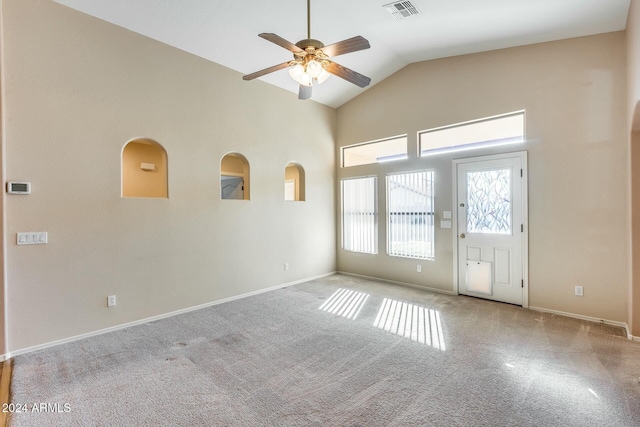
(226, 32)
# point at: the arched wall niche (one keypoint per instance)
(144, 169)
(234, 177)
(294, 182)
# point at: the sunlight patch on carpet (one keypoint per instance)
(410, 321)
(345, 303)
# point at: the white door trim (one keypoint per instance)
(525, 216)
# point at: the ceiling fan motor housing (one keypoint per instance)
(316, 44)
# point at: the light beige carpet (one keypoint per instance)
(340, 351)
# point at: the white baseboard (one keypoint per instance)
(19, 352)
(540, 309)
(588, 318)
(394, 282)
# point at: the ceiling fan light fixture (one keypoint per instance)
(314, 68)
(308, 73)
(296, 72)
(323, 76)
(305, 79)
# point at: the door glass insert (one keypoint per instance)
(489, 202)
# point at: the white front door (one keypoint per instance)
(491, 201)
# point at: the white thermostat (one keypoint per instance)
(14, 187)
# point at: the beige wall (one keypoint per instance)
(573, 92)
(633, 113)
(77, 89)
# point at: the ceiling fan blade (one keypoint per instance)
(353, 44)
(265, 71)
(274, 38)
(347, 74)
(304, 92)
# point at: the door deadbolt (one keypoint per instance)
(462, 205)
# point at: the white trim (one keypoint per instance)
(525, 216)
(11, 354)
(588, 318)
(394, 282)
(525, 222)
(3, 205)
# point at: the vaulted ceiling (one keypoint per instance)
(226, 32)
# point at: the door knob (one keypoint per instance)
(462, 236)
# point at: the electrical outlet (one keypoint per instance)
(579, 291)
(286, 266)
(111, 300)
(419, 269)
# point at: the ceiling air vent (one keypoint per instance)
(402, 9)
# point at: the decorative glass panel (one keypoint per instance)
(489, 202)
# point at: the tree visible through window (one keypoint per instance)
(410, 215)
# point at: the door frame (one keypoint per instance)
(525, 216)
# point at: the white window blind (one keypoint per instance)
(359, 215)
(410, 222)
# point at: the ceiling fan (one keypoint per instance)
(311, 62)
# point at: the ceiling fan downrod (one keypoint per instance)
(309, 42)
(309, 19)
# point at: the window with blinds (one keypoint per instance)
(359, 215)
(410, 219)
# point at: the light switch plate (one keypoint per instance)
(446, 214)
(32, 238)
(445, 224)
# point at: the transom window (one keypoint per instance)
(488, 132)
(410, 219)
(383, 150)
